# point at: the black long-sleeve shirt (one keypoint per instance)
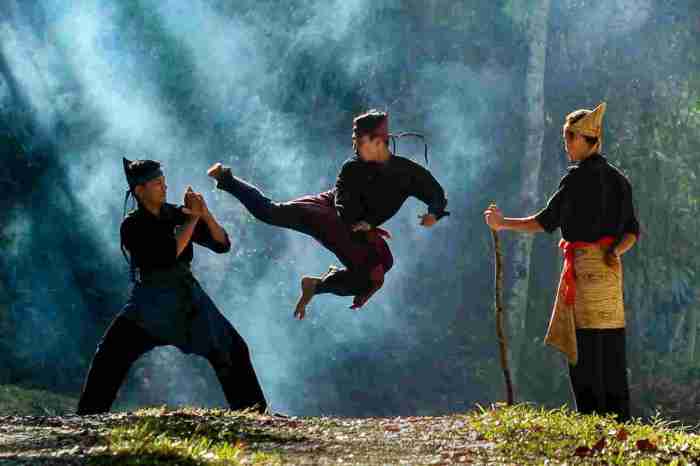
(594, 200)
(373, 192)
(151, 240)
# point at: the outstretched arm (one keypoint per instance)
(496, 221)
(547, 219)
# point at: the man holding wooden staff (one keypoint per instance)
(593, 207)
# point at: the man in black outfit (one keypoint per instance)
(593, 208)
(167, 306)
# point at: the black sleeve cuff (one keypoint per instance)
(438, 214)
(221, 248)
(545, 222)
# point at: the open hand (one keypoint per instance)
(611, 259)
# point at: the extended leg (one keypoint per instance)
(312, 215)
(214, 337)
(236, 374)
(286, 215)
(122, 344)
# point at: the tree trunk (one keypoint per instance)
(692, 331)
(677, 330)
(536, 29)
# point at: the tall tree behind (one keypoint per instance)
(535, 22)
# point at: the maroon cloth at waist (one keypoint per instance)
(354, 249)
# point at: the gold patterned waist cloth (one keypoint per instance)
(597, 300)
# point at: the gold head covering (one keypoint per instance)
(591, 124)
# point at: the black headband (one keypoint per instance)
(144, 177)
(141, 178)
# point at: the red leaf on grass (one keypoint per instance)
(645, 445)
(622, 434)
(582, 451)
(599, 445)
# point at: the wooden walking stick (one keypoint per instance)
(498, 305)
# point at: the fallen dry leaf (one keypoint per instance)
(622, 434)
(645, 445)
(599, 445)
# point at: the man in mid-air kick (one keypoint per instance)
(370, 189)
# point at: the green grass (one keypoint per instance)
(16, 400)
(527, 435)
(522, 434)
(189, 436)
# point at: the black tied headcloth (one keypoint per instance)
(135, 177)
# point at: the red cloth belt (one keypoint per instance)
(569, 272)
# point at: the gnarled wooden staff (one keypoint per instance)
(498, 305)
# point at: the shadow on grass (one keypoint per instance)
(224, 428)
(103, 460)
(164, 438)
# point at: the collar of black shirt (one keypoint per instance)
(592, 159)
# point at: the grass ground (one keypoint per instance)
(18, 400)
(520, 434)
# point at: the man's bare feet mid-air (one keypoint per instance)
(216, 170)
(308, 288)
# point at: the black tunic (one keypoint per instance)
(151, 241)
(594, 200)
(373, 192)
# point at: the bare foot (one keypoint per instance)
(308, 288)
(216, 170)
